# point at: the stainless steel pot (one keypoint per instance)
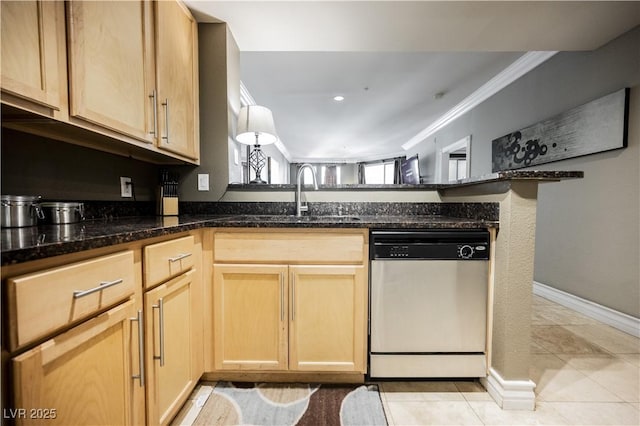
(20, 210)
(62, 212)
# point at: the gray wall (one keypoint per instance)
(588, 236)
(219, 82)
(33, 165)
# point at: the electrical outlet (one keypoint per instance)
(126, 187)
(203, 182)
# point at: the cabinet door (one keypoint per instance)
(33, 50)
(83, 376)
(109, 80)
(170, 347)
(328, 318)
(176, 44)
(250, 326)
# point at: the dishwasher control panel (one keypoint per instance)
(433, 244)
(471, 251)
(399, 251)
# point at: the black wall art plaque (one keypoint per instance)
(600, 125)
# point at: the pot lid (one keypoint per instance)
(61, 204)
(20, 198)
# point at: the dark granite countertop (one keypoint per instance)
(501, 176)
(25, 244)
(32, 243)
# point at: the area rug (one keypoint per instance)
(280, 404)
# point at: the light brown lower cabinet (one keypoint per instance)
(91, 347)
(327, 329)
(281, 317)
(250, 319)
(89, 375)
(169, 324)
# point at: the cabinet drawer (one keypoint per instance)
(45, 301)
(167, 259)
(289, 247)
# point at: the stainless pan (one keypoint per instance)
(62, 212)
(20, 210)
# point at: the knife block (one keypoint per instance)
(167, 206)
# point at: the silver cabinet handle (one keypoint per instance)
(154, 131)
(281, 296)
(105, 284)
(165, 104)
(293, 297)
(140, 375)
(179, 257)
(39, 212)
(160, 308)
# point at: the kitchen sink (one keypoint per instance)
(299, 219)
(326, 218)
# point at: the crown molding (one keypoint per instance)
(283, 150)
(517, 69)
(245, 96)
(349, 160)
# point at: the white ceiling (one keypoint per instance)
(390, 59)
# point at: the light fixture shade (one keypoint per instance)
(255, 126)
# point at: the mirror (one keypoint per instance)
(387, 100)
(348, 85)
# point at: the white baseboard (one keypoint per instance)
(510, 394)
(619, 320)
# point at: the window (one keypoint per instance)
(307, 176)
(379, 173)
(330, 175)
(326, 174)
(274, 171)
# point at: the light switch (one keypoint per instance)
(203, 182)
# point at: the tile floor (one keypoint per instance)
(586, 373)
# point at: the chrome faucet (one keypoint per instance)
(299, 207)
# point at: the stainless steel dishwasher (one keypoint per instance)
(428, 313)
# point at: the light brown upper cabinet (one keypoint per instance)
(125, 79)
(133, 70)
(177, 79)
(111, 70)
(33, 55)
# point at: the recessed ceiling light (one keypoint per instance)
(338, 98)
